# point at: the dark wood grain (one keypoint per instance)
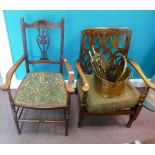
(100, 38)
(43, 41)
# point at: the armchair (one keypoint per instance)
(41, 90)
(110, 41)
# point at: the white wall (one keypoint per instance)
(5, 52)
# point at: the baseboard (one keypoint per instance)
(135, 82)
(1, 81)
(138, 82)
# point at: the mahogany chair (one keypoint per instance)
(110, 41)
(41, 90)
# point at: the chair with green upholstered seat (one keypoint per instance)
(110, 41)
(41, 90)
(102, 104)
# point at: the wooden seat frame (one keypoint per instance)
(83, 67)
(42, 26)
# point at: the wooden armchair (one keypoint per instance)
(110, 41)
(41, 90)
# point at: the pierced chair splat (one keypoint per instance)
(43, 90)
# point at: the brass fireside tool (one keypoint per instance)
(110, 75)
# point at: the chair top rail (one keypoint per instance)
(42, 23)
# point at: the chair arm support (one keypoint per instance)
(10, 73)
(139, 70)
(70, 71)
(85, 87)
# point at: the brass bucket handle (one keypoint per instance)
(121, 56)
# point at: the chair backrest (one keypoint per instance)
(43, 41)
(110, 41)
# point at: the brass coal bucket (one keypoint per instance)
(110, 76)
(108, 88)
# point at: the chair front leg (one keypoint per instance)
(137, 108)
(133, 117)
(82, 110)
(67, 115)
(81, 117)
(14, 112)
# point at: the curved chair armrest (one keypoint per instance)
(139, 70)
(10, 73)
(85, 87)
(70, 71)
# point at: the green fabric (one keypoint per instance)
(42, 89)
(99, 104)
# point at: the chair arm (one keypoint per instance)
(10, 73)
(85, 87)
(70, 71)
(139, 70)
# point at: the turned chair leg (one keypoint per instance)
(66, 122)
(135, 115)
(16, 120)
(81, 118)
(76, 91)
(82, 110)
(67, 115)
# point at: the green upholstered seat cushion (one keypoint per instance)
(42, 90)
(100, 104)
